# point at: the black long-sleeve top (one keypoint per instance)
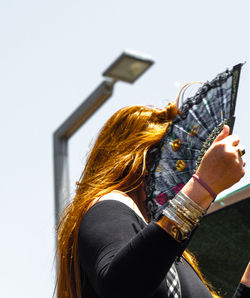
(121, 256)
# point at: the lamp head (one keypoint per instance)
(128, 67)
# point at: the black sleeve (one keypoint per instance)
(242, 291)
(119, 256)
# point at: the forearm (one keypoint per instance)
(197, 193)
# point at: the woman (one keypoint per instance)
(106, 247)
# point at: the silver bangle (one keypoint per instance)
(192, 203)
(189, 214)
(182, 215)
(182, 226)
(182, 202)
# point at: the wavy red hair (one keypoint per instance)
(116, 162)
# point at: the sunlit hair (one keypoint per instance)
(116, 162)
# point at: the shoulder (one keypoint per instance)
(116, 201)
(122, 198)
(108, 221)
(112, 210)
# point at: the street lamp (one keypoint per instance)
(127, 67)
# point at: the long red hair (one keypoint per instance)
(116, 162)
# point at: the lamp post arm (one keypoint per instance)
(85, 110)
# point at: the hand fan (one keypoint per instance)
(192, 132)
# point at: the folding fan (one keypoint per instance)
(192, 132)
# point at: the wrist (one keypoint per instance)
(205, 185)
(180, 217)
(194, 190)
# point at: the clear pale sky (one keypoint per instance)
(52, 55)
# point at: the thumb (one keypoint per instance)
(224, 133)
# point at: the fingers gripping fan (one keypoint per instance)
(192, 132)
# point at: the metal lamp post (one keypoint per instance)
(127, 67)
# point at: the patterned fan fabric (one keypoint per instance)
(190, 135)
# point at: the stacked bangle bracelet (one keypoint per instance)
(181, 216)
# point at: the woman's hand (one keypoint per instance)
(222, 165)
(220, 168)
